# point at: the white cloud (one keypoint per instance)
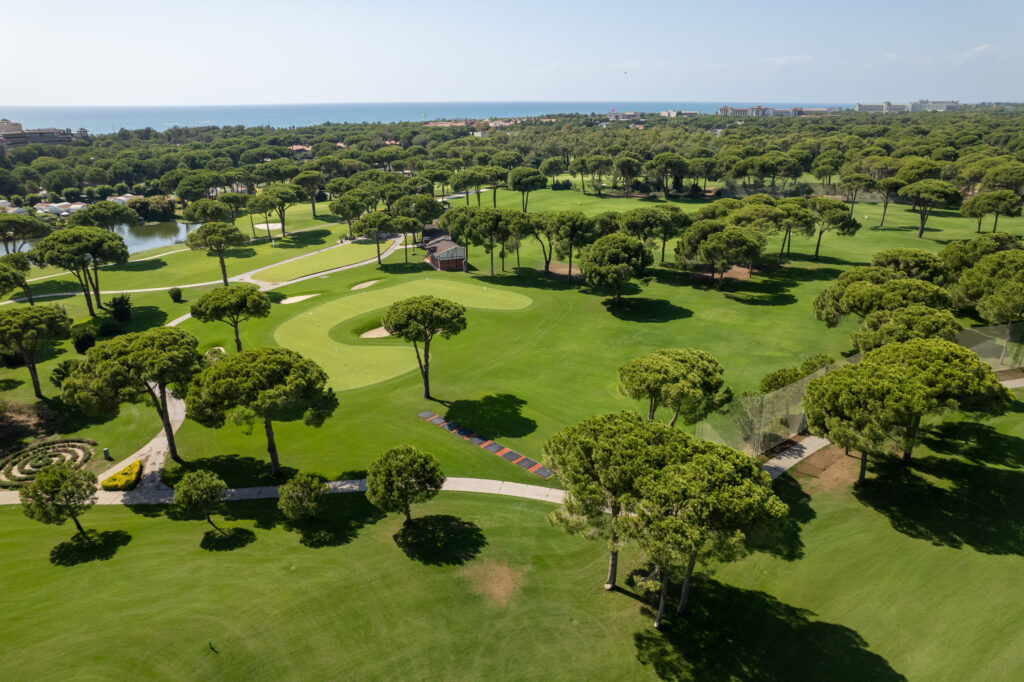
(788, 60)
(974, 52)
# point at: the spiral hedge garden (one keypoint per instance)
(20, 467)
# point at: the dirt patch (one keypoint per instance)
(706, 274)
(296, 299)
(827, 469)
(378, 333)
(496, 582)
(363, 285)
(562, 270)
(1010, 374)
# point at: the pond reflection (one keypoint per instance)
(152, 235)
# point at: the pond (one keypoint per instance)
(152, 235)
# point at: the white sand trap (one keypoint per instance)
(378, 333)
(296, 299)
(262, 228)
(363, 285)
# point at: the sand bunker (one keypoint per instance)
(296, 299)
(363, 285)
(378, 333)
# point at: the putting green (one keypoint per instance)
(352, 366)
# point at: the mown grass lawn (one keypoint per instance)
(913, 576)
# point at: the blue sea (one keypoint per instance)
(100, 120)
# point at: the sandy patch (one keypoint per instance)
(378, 333)
(296, 299)
(827, 469)
(496, 582)
(562, 269)
(363, 285)
(274, 227)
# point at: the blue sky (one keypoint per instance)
(296, 51)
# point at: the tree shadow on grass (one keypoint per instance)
(147, 265)
(781, 537)
(338, 521)
(441, 540)
(646, 310)
(237, 471)
(10, 384)
(404, 268)
(94, 546)
(493, 416)
(729, 633)
(972, 504)
(227, 539)
(977, 442)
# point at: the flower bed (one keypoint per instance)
(125, 479)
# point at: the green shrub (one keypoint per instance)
(125, 479)
(82, 338)
(175, 294)
(120, 307)
(61, 372)
(109, 327)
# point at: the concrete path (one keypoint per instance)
(1013, 383)
(161, 494)
(793, 455)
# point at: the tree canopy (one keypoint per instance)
(232, 305)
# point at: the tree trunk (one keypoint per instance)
(518, 269)
(83, 282)
(238, 341)
(78, 525)
(675, 416)
(424, 363)
(252, 225)
(684, 595)
(618, 293)
(924, 218)
(378, 249)
(275, 465)
(223, 268)
(210, 521)
(408, 517)
(652, 407)
(664, 240)
(661, 598)
(492, 255)
(570, 266)
(863, 467)
(613, 556)
(583, 185)
(96, 284)
(995, 223)
(280, 214)
(817, 247)
(28, 293)
(910, 439)
(312, 202)
(165, 419)
(885, 207)
(783, 249)
(30, 363)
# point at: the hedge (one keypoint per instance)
(125, 479)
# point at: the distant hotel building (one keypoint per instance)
(919, 105)
(673, 113)
(771, 111)
(12, 135)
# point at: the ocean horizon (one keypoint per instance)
(103, 120)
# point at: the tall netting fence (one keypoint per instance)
(755, 424)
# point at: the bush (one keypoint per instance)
(125, 479)
(109, 327)
(61, 372)
(175, 294)
(82, 338)
(561, 184)
(120, 307)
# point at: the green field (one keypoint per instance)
(913, 577)
(346, 254)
